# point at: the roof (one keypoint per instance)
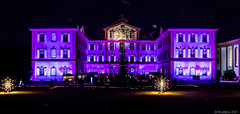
(192, 29)
(120, 21)
(53, 29)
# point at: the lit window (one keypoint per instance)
(180, 70)
(204, 38)
(65, 53)
(180, 54)
(53, 52)
(131, 34)
(53, 37)
(192, 38)
(65, 70)
(53, 71)
(230, 57)
(41, 71)
(42, 37)
(65, 38)
(204, 71)
(236, 56)
(204, 53)
(111, 34)
(192, 71)
(192, 52)
(180, 37)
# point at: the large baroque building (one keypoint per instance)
(187, 54)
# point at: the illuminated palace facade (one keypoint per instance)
(227, 54)
(184, 53)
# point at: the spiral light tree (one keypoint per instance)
(7, 84)
(161, 84)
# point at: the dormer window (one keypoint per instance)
(132, 33)
(112, 34)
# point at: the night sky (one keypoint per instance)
(17, 16)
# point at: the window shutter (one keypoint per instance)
(208, 54)
(196, 37)
(176, 52)
(177, 71)
(108, 45)
(45, 53)
(114, 57)
(201, 37)
(149, 58)
(146, 58)
(184, 52)
(129, 56)
(184, 37)
(109, 58)
(61, 53)
(45, 37)
(38, 55)
(176, 37)
(37, 71)
(69, 53)
(196, 52)
(189, 35)
(208, 37)
(69, 37)
(61, 37)
(189, 54)
(45, 71)
(38, 37)
(201, 53)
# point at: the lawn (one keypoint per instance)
(204, 100)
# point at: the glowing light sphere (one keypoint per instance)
(7, 84)
(161, 84)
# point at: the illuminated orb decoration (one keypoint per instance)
(7, 84)
(161, 84)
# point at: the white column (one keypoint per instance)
(69, 53)
(201, 53)
(201, 37)
(38, 37)
(45, 37)
(45, 53)
(184, 37)
(176, 37)
(189, 37)
(208, 37)
(189, 54)
(184, 52)
(196, 52)
(208, 53)
(196, 37)
(38, 55)
(61, 37)
(69, 37)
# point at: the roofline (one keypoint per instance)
(192, 29)
(53, 29)
(119, 24)
(235, 41)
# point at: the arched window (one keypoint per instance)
(53, 52)
(53, 37)
(192, 71)
(53, 71)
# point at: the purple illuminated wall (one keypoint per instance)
(160, 55)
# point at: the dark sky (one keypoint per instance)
(19, 15)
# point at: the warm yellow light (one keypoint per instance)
(159, 93)
(16, 92)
